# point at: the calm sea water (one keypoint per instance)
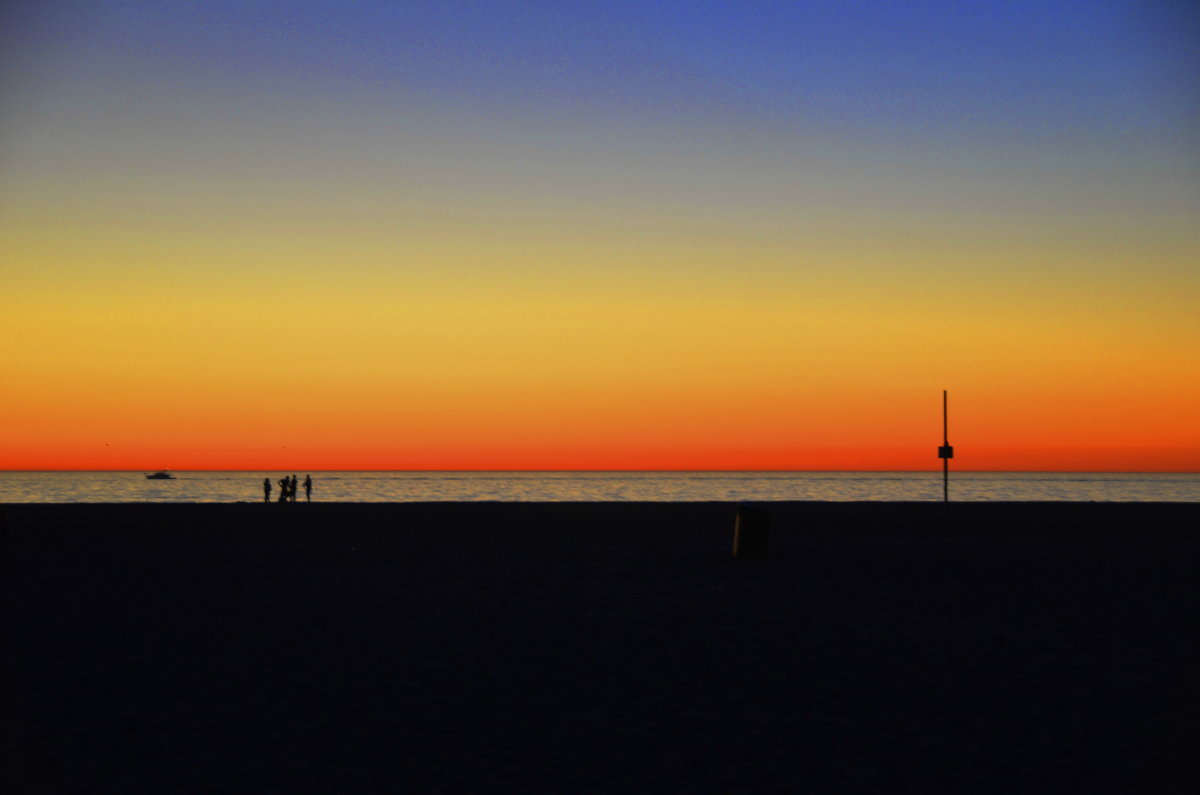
(602, 486)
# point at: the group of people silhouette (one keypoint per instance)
(287, 489)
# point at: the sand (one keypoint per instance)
(614, 647)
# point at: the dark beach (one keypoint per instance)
(614, 647)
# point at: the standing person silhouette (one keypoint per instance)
(308, 488)
(266, 489)
(292, 489)
(283, 489)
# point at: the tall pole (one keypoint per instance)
(945, 443)
(945, 452)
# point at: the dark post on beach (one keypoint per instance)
(750, 532)
(945, 452)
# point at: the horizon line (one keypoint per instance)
(637, 471)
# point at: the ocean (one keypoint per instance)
(36, 487)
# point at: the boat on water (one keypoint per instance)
(163, 475)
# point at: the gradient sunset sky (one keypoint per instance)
(599, 235)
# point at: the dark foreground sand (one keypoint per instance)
(601, 648)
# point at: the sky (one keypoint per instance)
(685, 234)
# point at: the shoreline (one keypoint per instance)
(789, 520)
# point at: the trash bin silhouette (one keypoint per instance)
(750, 532)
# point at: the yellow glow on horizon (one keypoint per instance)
(525, 334)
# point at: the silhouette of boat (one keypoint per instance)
(160, 476)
